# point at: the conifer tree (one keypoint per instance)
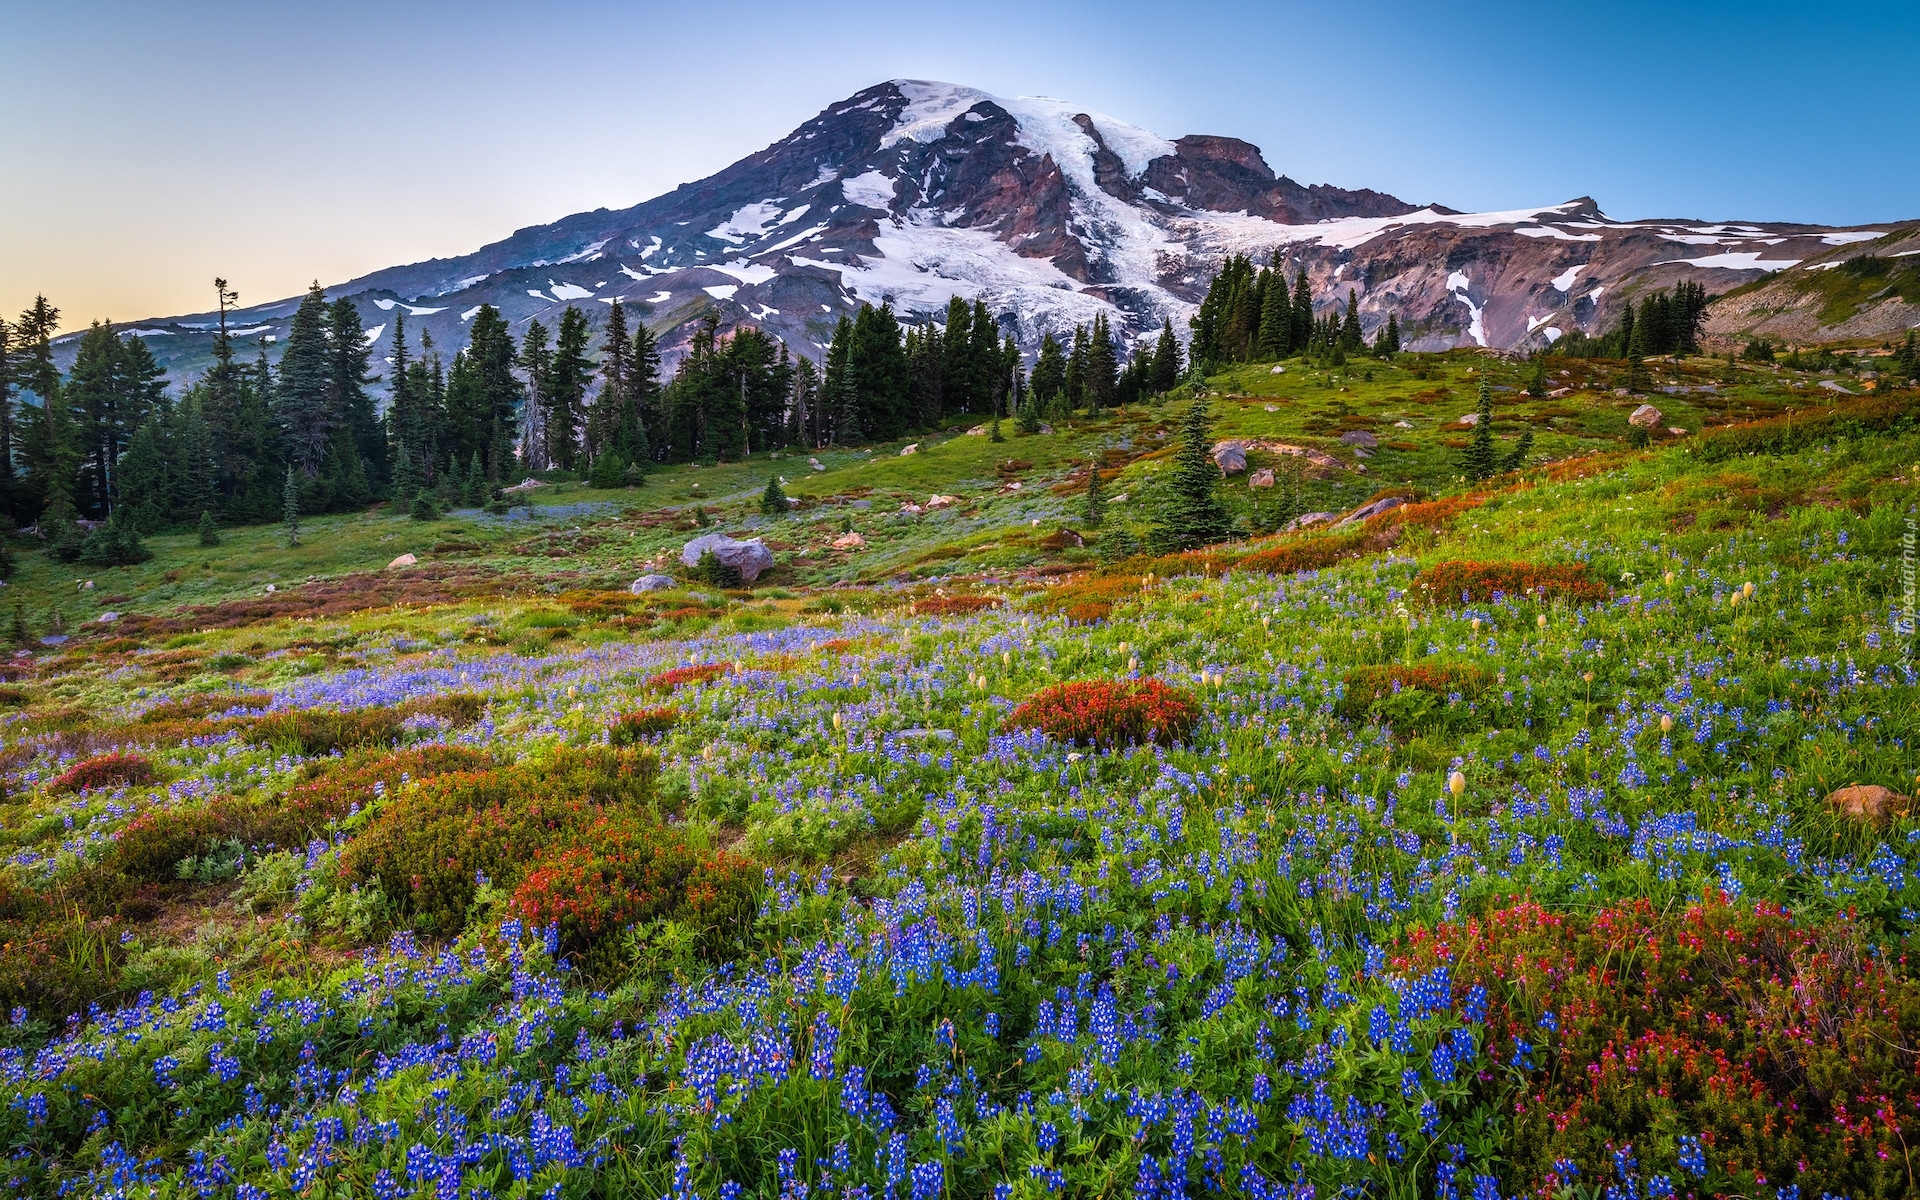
(300, 402)
(1049, 372)
(773, 501)
(565, 390)
(641, 415)
(1478, 461)
(536, 360)
(1302, 311)
(209, 529)
(46, 444)
(1100, 366)
(1388, 344)
(290, 508)
(1276, 316)
(1166, 357)
(361, 443)
(1193, 515)
(1352, 339)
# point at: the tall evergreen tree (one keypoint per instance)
(1479, 460)
(1276, 315)
(565, 391)
(361, 442)
(1049, 372)
(1166, 358)
(1100, 365)
(301, 402)
(642, 415)
(1193, 515)
(1352, 339)
(46, 446)
(1302, 310)
(536, 360)
(610, 404)
(1076, 386)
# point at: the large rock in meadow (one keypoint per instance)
(749, 558)
(1230, 457)
(652, 583)
(1868, 802)
(1646, 417)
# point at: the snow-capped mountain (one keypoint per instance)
(916, 192)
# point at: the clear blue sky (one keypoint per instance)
(146, 147)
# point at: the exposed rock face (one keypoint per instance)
(749, 557)
(1370, 510)
(914, 192)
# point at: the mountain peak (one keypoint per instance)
(914, 192)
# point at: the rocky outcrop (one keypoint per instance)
(750, 558)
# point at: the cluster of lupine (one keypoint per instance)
(989, 962)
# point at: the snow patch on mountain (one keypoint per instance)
(875, 189)
(749, 222)
(1741, 260)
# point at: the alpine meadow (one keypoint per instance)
(976, 653)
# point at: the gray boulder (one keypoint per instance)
(1370, 510)
(1646, 417)
(1230, 457)
(750, 557)
(1360, 438)
(652, 583)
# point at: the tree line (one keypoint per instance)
(1662, 323)
(250, 442)
(1249, 315)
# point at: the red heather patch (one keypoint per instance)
(106, 770)
(630, 727)
(1447, 582)
(1102, 713)
(666, 681)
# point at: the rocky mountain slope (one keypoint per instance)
(917, 192)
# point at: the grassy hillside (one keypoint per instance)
(1483, 848)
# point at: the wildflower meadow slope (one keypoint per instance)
(1492, 856)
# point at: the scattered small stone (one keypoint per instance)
(849, 541)
(1263, 478)
(1472, 418)
(108, 618)
(913, 449)
(1403, 424)
(651, 583)
(405, 560)
(1362, 438)
(939, 501)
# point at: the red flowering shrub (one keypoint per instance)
(1365, 686)
(150, 845)
(1788, 1050)
(621, 871)
(668, 680)
(1313, 554)
(1447, 582)
(1086, 612)
(952, 606)
(1101, 713)
(105, 770)
(630, 727)
(432, 842)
